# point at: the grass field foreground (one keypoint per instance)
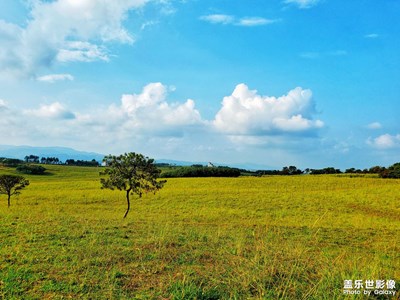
(278, 237)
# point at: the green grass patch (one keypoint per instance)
(275, 237)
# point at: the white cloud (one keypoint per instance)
(53, 111)
(51, 78)
(254, 21)
(149, 122)
(232, 20)
(385, 141)
(149, 110)
(247, 113)
(81, 51)
(148, 24)
(63, 30)
(10, 36)
(303, 4)
(374, 125)
(218, 19)
(3, 104)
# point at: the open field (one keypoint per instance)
(279, 237)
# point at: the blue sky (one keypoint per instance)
(311, 83)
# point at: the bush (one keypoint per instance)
(31, 169)
(391, 172)
(10, 162)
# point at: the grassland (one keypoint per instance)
(277, 237)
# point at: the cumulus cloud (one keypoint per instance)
(385, 141)
(53, 111)
(63, 30)
(150, 110)
(51, 78)
(302, 4)
(151, 107)
(149, 120)
(232, 20)
(247, 113)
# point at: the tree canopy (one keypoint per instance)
(392, 172)
(11, 185)
(132, 173)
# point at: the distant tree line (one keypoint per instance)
(201, 171)
(390, 172)
(50, 161)
(30, 164)
(34, 159)
(56, 161)
(82, 163)
(198, 170)
(31, 159)
(10, 162)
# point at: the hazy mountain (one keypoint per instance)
(178, 162)
(246, 166)
(59, 152)
(63, 154)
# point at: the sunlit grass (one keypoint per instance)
(210, 238)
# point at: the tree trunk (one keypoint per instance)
(129, 203)
(9, 196)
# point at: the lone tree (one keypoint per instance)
(11, 185)
(132, 173)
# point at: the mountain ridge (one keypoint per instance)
(63, 153)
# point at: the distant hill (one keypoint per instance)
(178, 162)
(61, 153)
(246, 166)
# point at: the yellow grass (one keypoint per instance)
(273, 237)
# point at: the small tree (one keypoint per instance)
(132, 173)
(11, 185)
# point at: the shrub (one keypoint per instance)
(391, 172)
(31, 169)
